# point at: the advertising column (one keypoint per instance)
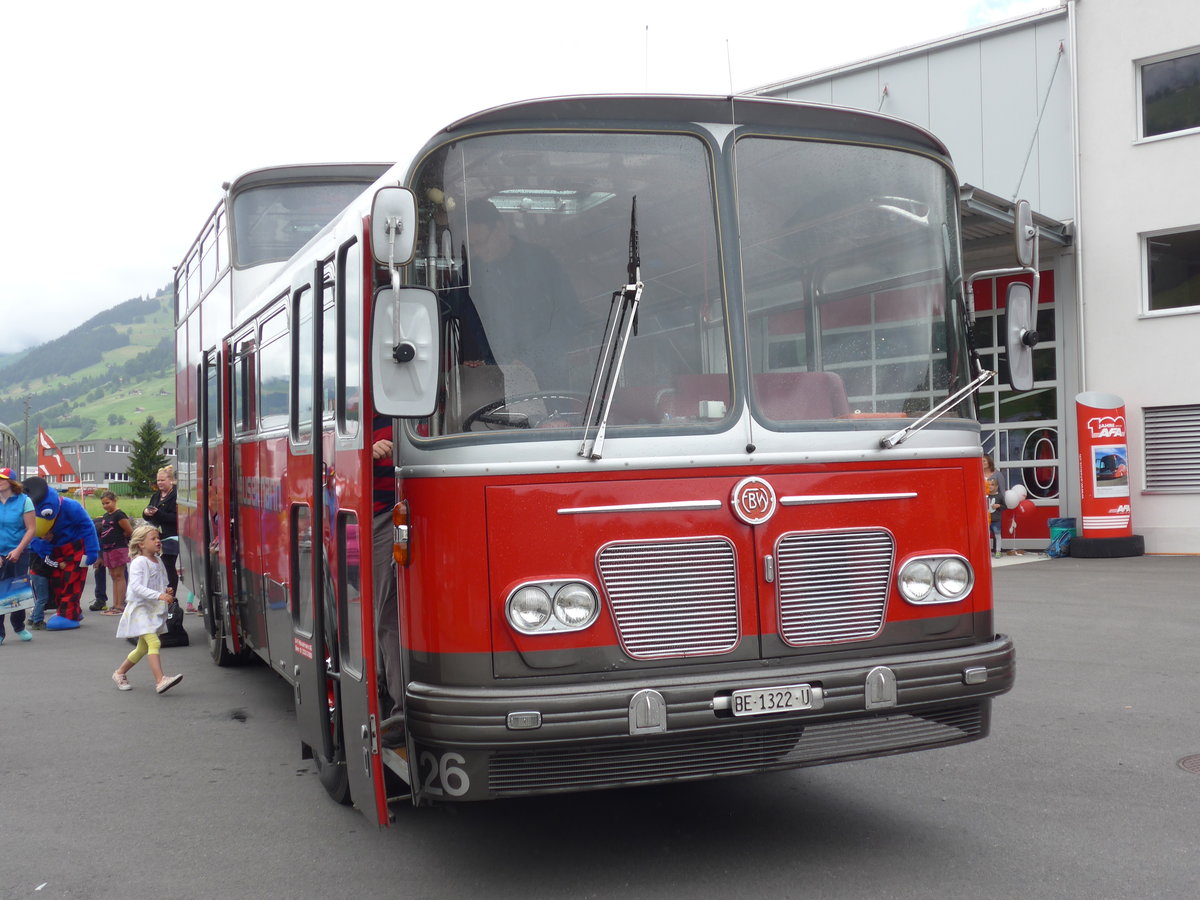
(1107, 515)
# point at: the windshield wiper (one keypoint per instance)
(895, 440)
(622, 323)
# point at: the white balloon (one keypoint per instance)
(1014, 495)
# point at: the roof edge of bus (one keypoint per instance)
(298, 172)
(693, 107)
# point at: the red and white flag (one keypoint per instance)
(52, 462)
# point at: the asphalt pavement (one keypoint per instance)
(1082, 790)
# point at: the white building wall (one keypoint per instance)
(981, 94)
(1129, 187)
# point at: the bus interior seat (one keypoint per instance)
(634, 405)
(691, 389)
(782, 396)
(801, 396)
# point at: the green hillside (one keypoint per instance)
(101, 379)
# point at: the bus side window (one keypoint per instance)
(329, 343)
(349, 338)
(302, 550)
(274, 371)
(212, 416)
(244, 387)
(349, 592)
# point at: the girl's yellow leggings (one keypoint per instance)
(147, 643)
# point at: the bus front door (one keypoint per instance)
(335, 681)
(348, 559)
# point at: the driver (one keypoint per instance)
(520, 308)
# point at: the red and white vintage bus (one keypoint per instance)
(687, 479)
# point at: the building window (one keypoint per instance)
(1172, 441)
(1173, 271)
(1170, 94)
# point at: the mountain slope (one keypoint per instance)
(99, 380)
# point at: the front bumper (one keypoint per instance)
(607, 734)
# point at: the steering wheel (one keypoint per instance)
(492, 413)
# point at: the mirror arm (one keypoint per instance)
(402, 349)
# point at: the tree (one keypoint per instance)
(146, 458)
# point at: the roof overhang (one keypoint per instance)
(988, 220)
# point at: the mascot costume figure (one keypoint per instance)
(66, 540)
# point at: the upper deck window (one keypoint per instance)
(271, 223)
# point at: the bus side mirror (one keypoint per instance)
(1020, 330)
(405, 342)
(1020, 300)
(393, 226)
(1024, 233)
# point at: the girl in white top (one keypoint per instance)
(145, 616)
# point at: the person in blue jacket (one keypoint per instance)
(66, 540)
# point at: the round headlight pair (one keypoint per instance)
(552, 606)
(935, 579)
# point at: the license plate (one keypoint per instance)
(764, 701)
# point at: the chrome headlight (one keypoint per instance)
(935, 579)
(952, 578)
(916, 581)
(575, 605)
(530, 609)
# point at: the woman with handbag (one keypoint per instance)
(145, 616)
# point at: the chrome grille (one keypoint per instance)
(833, 585)
(672, 599)
(751, 748)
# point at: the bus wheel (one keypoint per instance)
(213, 630)
(334, 778)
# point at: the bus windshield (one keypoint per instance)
(527, 236)
(849, 269)
(848, 261)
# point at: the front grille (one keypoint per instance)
(833, 585)
(672, 598)
(734, 751)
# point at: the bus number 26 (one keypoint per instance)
(453, 779)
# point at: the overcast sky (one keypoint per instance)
(124, 118)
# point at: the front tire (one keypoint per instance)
(334, 778)
(215, 632)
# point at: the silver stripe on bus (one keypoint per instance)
(809, 499)
(642, 507)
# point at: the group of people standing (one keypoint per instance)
(42, 537)
(115, 530)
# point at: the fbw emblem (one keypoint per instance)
(753, 501)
